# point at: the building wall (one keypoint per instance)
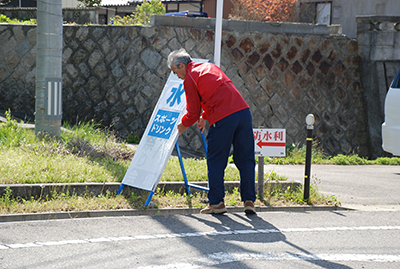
(344, 12)
(210, 7)
(70, 3)
(115, 74)
(70, 15)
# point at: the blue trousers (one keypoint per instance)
(237, 130)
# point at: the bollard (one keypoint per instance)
(310, 126)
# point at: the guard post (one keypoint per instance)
(310, 120)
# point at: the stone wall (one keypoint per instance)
(115, 74)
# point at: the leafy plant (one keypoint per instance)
(234, 198)
(133, 139)
(6, 200)
(118, 20)
(148, 8)
(5, 19)
(348, 160)
(13, 136)
(273, 176)
(387, 161)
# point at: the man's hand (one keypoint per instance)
(201, 124)
(181, 128)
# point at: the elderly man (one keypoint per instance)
(211, 96)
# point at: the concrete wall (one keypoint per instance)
(284, 71)
(379, 49)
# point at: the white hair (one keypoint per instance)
(177, 57)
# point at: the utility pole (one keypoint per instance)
(48, 104)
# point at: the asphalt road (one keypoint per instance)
(327, 239)
(363, 238)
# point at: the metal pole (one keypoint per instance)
(48, 103)
(261, 178)
(310, 126)
(178, 151)
(218, 32)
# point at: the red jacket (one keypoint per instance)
(208, 88)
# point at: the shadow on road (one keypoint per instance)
(222, 248)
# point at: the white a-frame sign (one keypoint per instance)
(159, 138)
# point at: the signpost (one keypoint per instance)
(271, 143)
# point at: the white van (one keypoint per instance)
(391, 126)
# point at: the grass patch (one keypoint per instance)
(87, 153)
(296, 154)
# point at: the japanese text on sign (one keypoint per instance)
(270, 142)
(163, 124)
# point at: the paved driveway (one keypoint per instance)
(352, 184)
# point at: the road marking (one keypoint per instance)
(192, 234)
(221, 258)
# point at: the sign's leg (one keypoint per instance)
(120, 189)
(203, 138)
(149, 199)
(178, 151)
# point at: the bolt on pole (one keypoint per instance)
(310, 126)
(48, 103)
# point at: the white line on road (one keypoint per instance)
(192, 234)
(221, 258)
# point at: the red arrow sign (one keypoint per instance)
(270, 144)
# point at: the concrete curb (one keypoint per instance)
(36, 191)
(153, 212)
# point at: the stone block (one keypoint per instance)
(11, 60)
(303, 28)
(204, 23)
(95, 58)
(380, 38)
(18, 33)
(150, 58)
(288, 28)
(257, 26)
(273, 27)
(321, 29)
(396, 38)
(82, 33)
(365, 27)
(381, 53)
(184, 22)
(159, 20)
(97, 32)
(232, 25)
(364, 52)
(396, 53)
(148, 31)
